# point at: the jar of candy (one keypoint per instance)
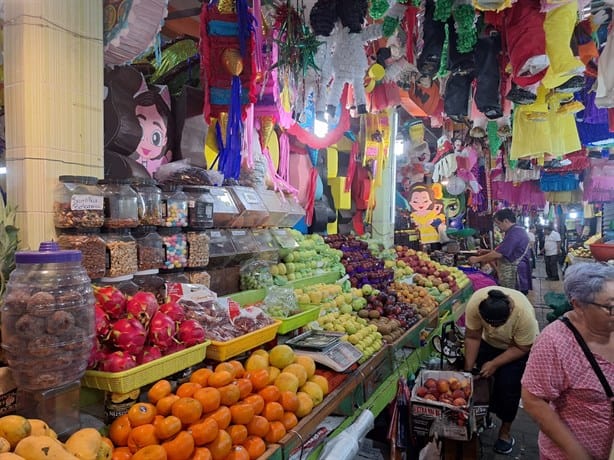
(175, 248)
(78, 202)
(120, 204)
(174, 206)
(200, 206)
(150, 201)
(121, 256)
(92, 247)
(123, 283)
(198, 248)
(150, 248)
(151, 281)
(48, 318)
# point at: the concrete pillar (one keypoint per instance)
(53, 70)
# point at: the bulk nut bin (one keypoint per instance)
(78, 202)
(198, 248)
(221, 248)
(175, 248)
(174, 206)
(198, 276)
(268, 249)
(151, 281)
(174, 276)
(225, 210)
(200, 206)
(149, 201)
(48, 318)
(252, 211)
(244, 243)
(125, 284)
(295, 212)
(121, 253)
(120, 204)
(92, 247)
(276, 205)
(149, 247)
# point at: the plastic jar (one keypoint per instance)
(120, 204)
(121, 256)
(150, 248)
(91, 245)
(174, 276)
(151, 281)
(174, 206)
(124, 283)
(198, 248)
(200, 206)
(78, 202)
(198, 276)
(48, 318)
(149, 201)
(175, 248)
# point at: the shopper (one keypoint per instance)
(500, 329)
(551, 251)
(532, 240)
(512, 255)
(560, 387)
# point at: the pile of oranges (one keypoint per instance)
(226, 413)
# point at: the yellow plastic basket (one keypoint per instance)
(221, 351)
(123, 382)
(309, 313)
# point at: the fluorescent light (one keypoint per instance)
(399, 147)
(573, 215)
(320, 128)
(2, 169)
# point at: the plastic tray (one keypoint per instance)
(123, 382)
(221, 351)
(291, 323)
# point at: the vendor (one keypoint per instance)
(500, 329)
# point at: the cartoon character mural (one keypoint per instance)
(454, 208)
(426, 211)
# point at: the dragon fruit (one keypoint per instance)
(174, 348)
(103, 325)
(129, 335)
(174, 310)
(162, 330)
(117, 361)
(149, 353)
(111, 300)
(142, 306)
(190, 332)
(96, 354)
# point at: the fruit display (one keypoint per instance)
(255, 274)
(400, 268)
(452, 391)
(319, 294)
(581, 252)
(390, 329)
(135, 330)
(361, 266)
(357, 331)
(389, 304)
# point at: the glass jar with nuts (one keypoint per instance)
(78, 202)
(120, 204)
(149, 201)
(150, 248)
(91, 245)
(121, 253)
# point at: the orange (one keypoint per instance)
(273, 411)
(257, 403)
(305, 404)
(238, 433)
(245, 387)
(222, 416)
(163, 406)
(119, 430)
(220, 446)
(204, 431)
(239, 369)
(220, 378)
(255, 446)
(208, 397)
(167, 427)
(270, 393)
(258, 426)
(201, 376)
(289, 420)
(188, 410)
(259, 378)
(288, 400)
(201, 453)
(141, 413)
(121, 453)
(152, 452)
(229, 394)
(187, 389)
(237, 453)
(276, 432)
(224, 366)
(142, 436)
(241, 413)
(180, 447)
(159, 390)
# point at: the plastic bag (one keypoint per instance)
(183, 172)
(256, 274)
(280, 302)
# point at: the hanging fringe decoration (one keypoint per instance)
(311, 196)
(378, 9)
(158, 50)
(443, 63)
(494, 141)
(410, 24)
(249, 136)
(352, 166)
(258, 35)
(284, 157)
(443, 10)
(246, 26)
(464, 19)
(230, 152)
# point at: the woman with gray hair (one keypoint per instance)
(566, 386)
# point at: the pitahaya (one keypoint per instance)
(129, 335)
(103, 325)
(149, 353)
(111, 300)
(162, 329)
(174, 310)
(190, 332)
(174, 348)
(117, 361)
(96, 354)
(142, 306)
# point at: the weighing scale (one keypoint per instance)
(326, 348)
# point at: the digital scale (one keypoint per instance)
(326, 348)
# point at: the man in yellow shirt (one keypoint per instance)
(500, 329)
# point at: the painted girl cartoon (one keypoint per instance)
(427, 215)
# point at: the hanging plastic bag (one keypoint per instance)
(255, 274)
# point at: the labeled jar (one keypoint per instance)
(200, 206)
(121, 253)
(174, 206)
(198, 248)
(125, 284)
(120, 204)
(151, 281)
(149, 201)
(175, 248)
(92, 247)
(198, 276)
(150, 248)
(78, 202)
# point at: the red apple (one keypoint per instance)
(430, 397)
(460, 402)
(430, 383)
(454, 384)
(458, 394)
(422, 391)
(443, 386)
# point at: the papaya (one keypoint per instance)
(14, 428)
(10, 456)
(86, 444)
(42, 448)
(5, 446)
(40, 428)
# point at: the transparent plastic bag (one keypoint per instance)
(255, 274)
(184, 173)
(280, 302)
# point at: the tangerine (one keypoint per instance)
(259, 378)
(241, 413)
(258, 426)
(208, 397)
(288, 400)
(180, 447)
(239, 369)
(121, 453)
(201, 376)
(270, 393)
(237, 452)
(188, 410)
(229, 394)
(220, 446)
(119, 430)
(151, 452)
(187, 389)
(225, 366)
(142, 436)
(257, 403)
(245, 386)
(168, 427)
(222, 416)
(201, 453)
(276, 432)
(141, 413)
(255, 446)
(219, 379)
(204, 431)
(290, 420)
(164, 405)
(238, 433)
(159, 390)
(273, 411)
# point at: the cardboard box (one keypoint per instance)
(434, 417)
(8, 392)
